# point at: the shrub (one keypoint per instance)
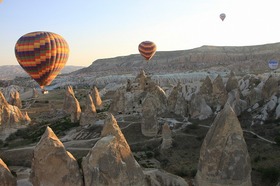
(277, 140)
(270, 174)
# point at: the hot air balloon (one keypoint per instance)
(273, 64)
(42, 55)
(147, 49)
(222, 16)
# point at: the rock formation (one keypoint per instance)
(157, 177)
(52, 164)
(88, 116)
(232, 82)
(270, 88)
(166, 137)
(35, 93)
(235, 102)
(219, 92)
(149, 125)
(206, 87)
(96, 97)
(224, 158)
(6, 177)
(15, 99)
(198, 108)
(176, 101)
(71, 105)
(129, 99)
(10, 116)
(111, 162)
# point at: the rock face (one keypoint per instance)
(6, 177)
(10, 116)
(71, 105)
(149, 124)
(96, 97)
(15, 99)
(111, 162)
(52, 164)
(166, 137)
(89, 115)
(224, 158)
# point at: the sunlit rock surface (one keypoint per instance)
(52, 164)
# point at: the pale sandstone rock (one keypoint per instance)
(235, 102)
(10, 116)
(71, 105)
(224, 158)
(166, 137)
(232, 82)
(219, 92)
(198, 108)
(176, 101)
(52, 164)
(111, 162)
(149, 124)
(89, 115)
(270, 88)
(15, 99)
(6, 177)
(96, 97)
(157, 177)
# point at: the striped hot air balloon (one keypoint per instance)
(147, 49)
(42, 55)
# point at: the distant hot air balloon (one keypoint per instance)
(42, 55)
(222, 16)
(147, 49)
(273, 64)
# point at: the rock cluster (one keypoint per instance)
(224, 158)
(71, 105)
(52, 164)
(129, 99)
(142, 96)
(10, 115)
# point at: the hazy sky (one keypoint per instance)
(97, 29)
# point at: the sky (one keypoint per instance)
(96, 29)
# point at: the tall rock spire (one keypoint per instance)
(224, 158)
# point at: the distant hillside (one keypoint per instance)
(241, 59)
(11, 71)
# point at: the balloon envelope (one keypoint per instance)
(42, 55)
(222, 16)
(147, 49)
(273, 64)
